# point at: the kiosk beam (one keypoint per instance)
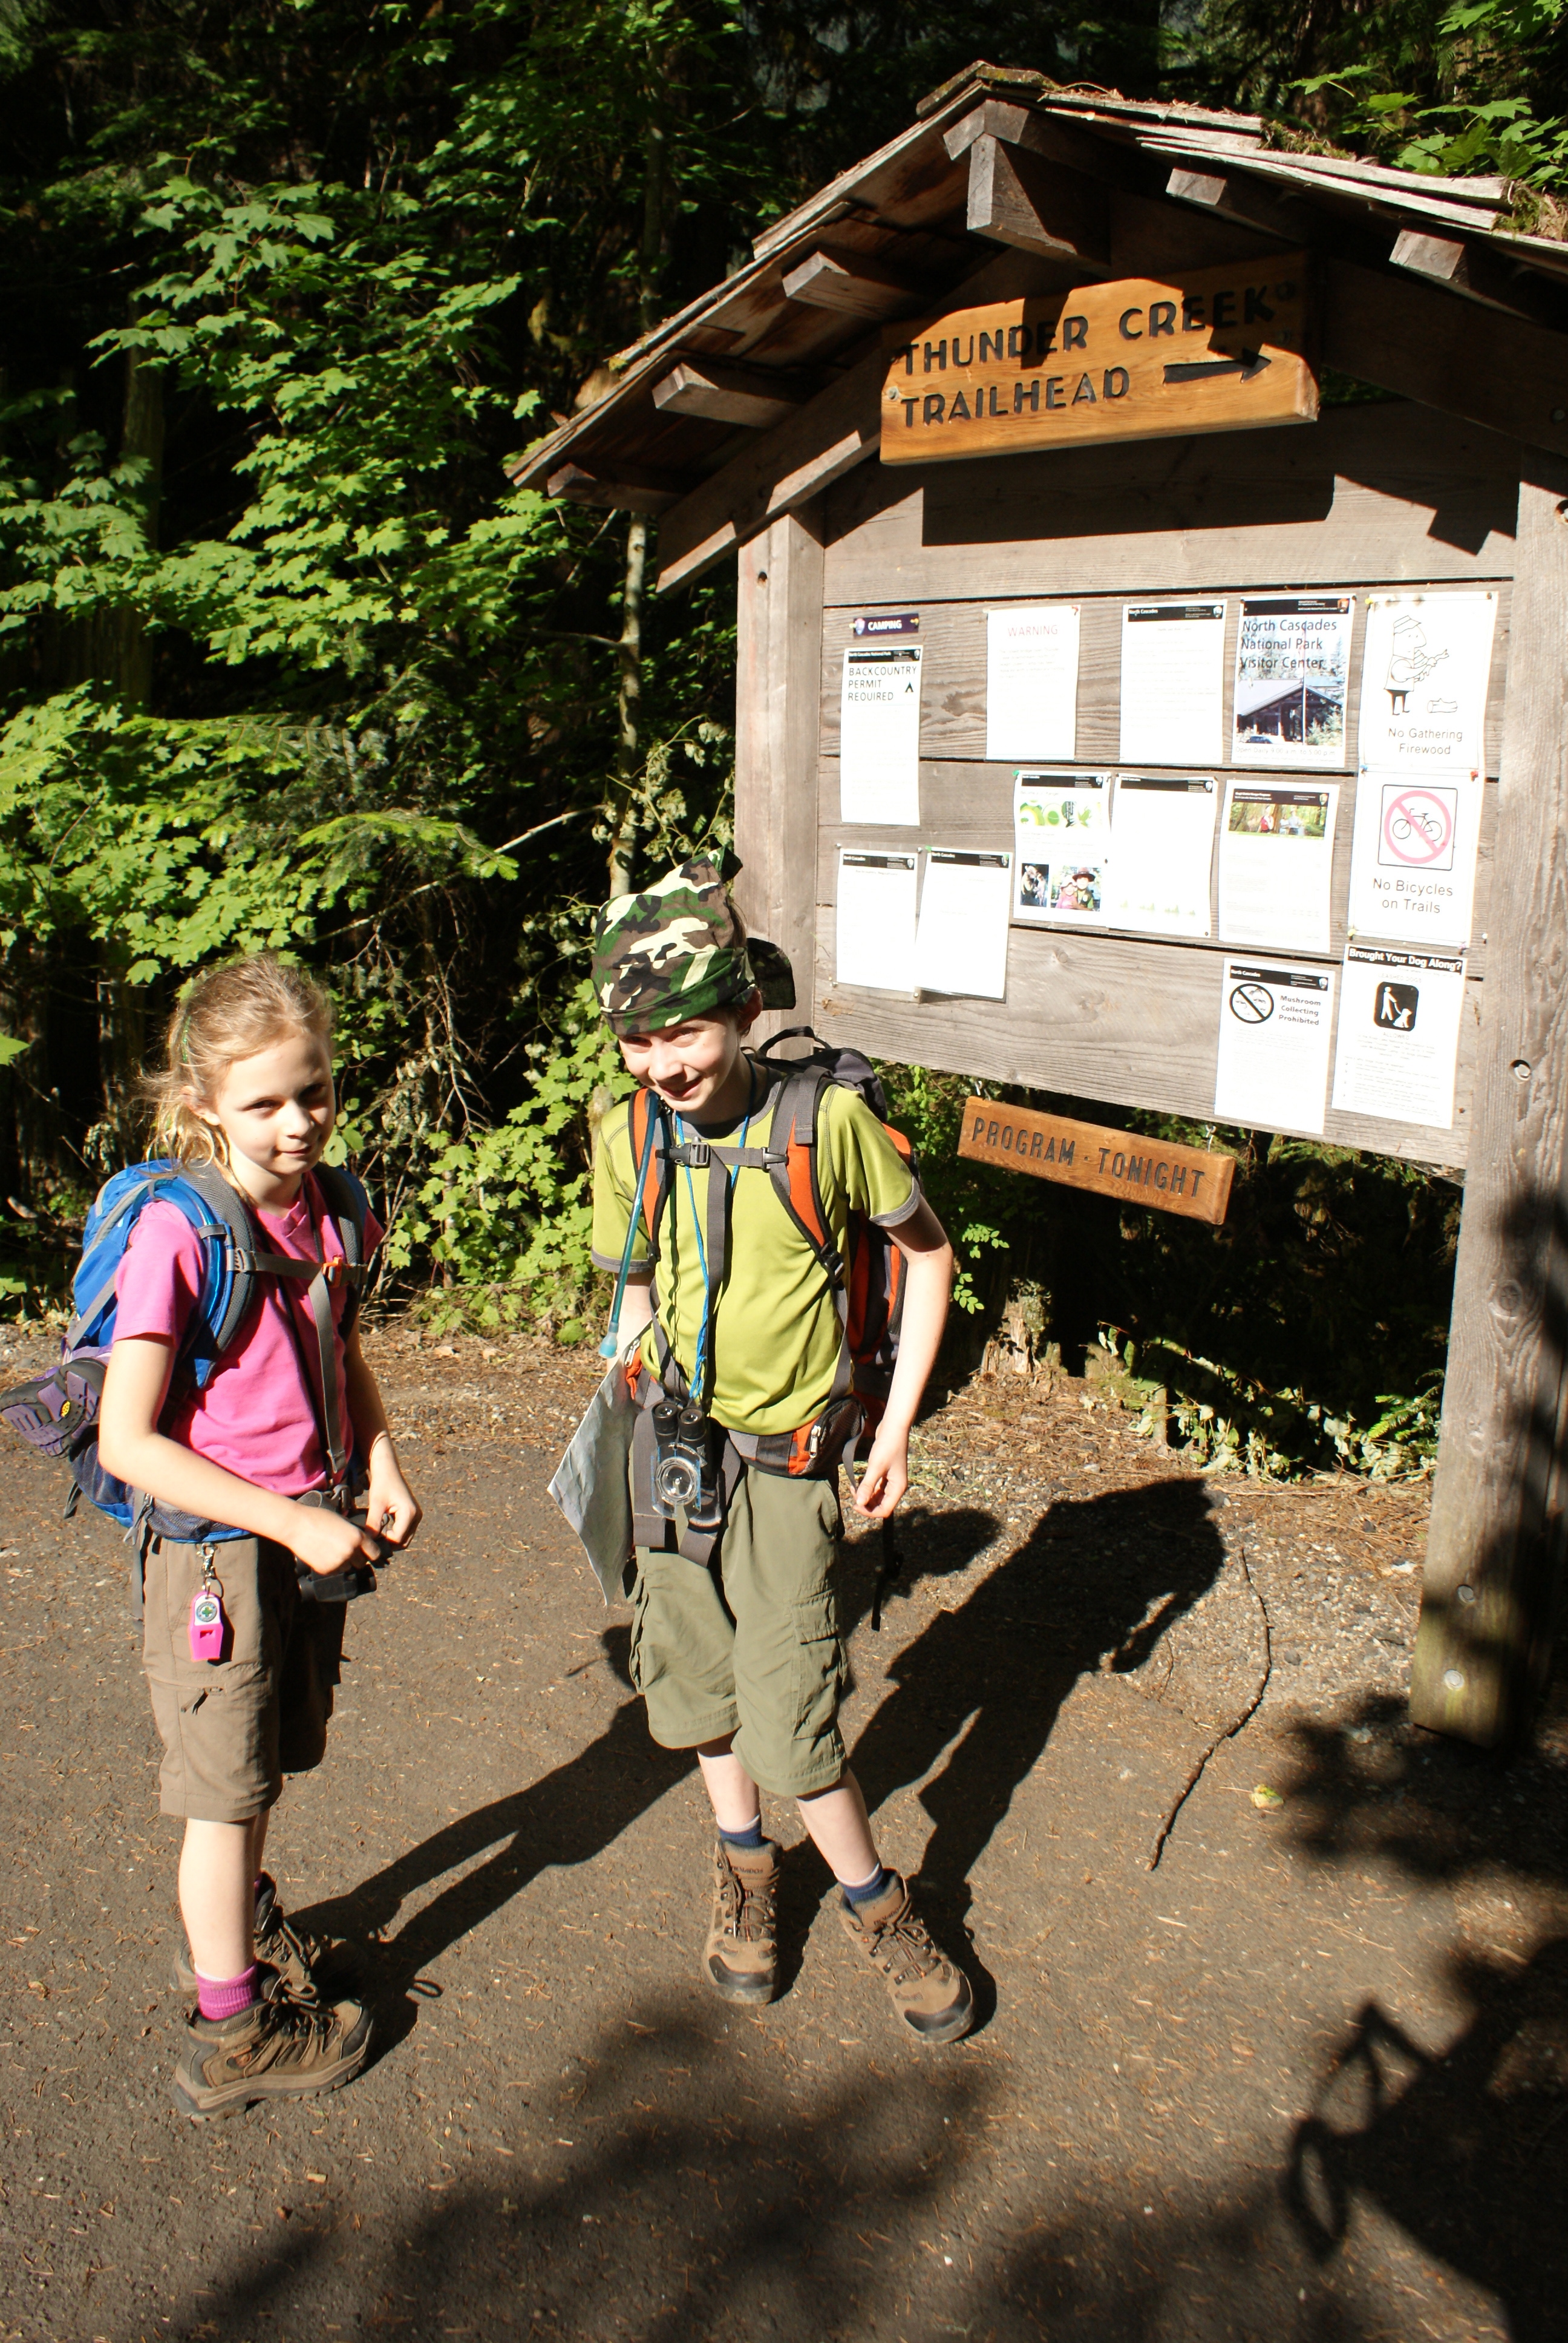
(778, 651)
(1495, 1544)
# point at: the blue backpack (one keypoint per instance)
(57, 1412)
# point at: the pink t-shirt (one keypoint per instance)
(257, 1416)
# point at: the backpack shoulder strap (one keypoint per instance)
(797, 1114)
(639, 1108)
(344, 1194)
(229, 1275)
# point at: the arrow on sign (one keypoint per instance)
(1249, 366)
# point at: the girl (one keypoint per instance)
(249, 1087)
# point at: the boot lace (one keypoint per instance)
(902, 1948)
(292, 2037)
(748, 1908)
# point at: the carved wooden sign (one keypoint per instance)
(1188, 1180)
(1214, 349)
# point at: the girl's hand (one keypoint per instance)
(325, 1542)
(886, 1476)
(392, 1510)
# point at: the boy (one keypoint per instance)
(735, 1646)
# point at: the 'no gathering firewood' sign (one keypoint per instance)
(1211, 349)
(1188, 1180)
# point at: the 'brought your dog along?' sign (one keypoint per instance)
(1216, 349)
(1192, 1181)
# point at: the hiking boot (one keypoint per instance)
(313, 1968)
(740, 1959)
(278, 2049)
(930, 1996)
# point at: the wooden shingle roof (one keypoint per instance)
(764, 390)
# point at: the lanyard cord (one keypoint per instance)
(699, 1368)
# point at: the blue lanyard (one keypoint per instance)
(700, 1365)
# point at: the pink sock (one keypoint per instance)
(226, 1996)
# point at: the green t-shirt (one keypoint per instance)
(776, 1334)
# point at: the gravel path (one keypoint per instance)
(1306, 2080)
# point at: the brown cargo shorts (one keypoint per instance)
(232, 1728)
(751, 1643)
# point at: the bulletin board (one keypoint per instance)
(1367, 522)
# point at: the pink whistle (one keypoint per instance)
(207, 1625)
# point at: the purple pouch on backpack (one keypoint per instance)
(52, 1410)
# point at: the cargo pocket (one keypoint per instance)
(644, 1660)
(820, 1670)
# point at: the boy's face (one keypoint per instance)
(695, 1067)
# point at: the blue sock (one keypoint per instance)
(868, 1892)
(750, 1839)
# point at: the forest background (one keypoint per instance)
(286, 661)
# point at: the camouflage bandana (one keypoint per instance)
(680, 950)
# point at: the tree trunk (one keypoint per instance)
(628, 702)
(122, 659)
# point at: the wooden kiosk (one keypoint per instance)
(1163, 299)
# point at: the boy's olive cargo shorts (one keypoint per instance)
(750, 1644)
(232, 1728)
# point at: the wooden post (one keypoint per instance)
(778, 684)
(1493, 1551)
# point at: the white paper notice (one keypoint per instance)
(1412, 856)
(960, 945)
(879, 736)
(1400, 1018)
(1031, 682)
(876, 920)
(1276, 861)
(1161, 850)
(1424, 672)
(1061, 848)
(1292, 671)
(1276, 1022)
(1172, 683)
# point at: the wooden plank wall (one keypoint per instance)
(1388, 495)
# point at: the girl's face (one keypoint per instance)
(276, 1111)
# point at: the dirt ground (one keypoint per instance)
(1307, 2078)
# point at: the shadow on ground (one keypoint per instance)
(1095, 1585)
(1467, 2151)
(691, 2225)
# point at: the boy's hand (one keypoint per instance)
(325, 1542)
(886, 1476)
(392, 1509)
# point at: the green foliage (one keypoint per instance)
(505, 1213)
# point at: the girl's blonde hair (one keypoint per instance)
(230, 1013)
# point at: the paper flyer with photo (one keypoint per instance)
(1172, 683)
(1031, 682)
(880, 735)
(875, 921)
(1293, 673)
(1401, 1014)
(960, 944)
(1276, 1022)
(1426, 666)
(1412, 856)
(1161, 852)
(1276, 864)
(1061, 849)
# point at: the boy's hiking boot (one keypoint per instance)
(313, 1968)
(278, 2049)
(740, 1959)
(930, 1996)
